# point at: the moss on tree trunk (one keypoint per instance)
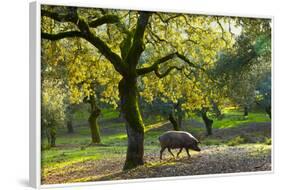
(179, 114)
(93, 123)
(94, 127)
(174, 122)
(207, 121)
(133, 120)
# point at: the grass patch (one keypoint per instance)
(58, 158)
(212, 141)
(236, 141)
(108, 114)
(235, 118)
(267, 141)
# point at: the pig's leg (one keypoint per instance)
(171, 152)
(187, 152)
(161, 152)
(179, 152)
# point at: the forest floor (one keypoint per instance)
(211, 160)
(243, 148)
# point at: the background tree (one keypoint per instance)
(86, 78)
(239, 70)
(52, 109)
(263, 93)
(53, 94)
(91, 80)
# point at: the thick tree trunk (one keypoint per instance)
(134, 124)
(93, 123)
(268, 111)
(174, 122)
(180, 118)
(246, 111)
(95, 133)
(69, 126)
(179, 114)
(207, 121)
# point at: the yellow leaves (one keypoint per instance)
(76, 95)
(53, 96)
(161, 87)
(89, 73)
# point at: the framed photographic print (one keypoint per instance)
(124, 94)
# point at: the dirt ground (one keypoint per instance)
(213, 159)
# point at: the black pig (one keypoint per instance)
(178, 139)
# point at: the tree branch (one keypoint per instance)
(101, 46)
(161, 75)
(60, 17)
(222, 31)
(188, 75)
(185, 59)
(84, 33)
(154, 66)
(61, 35)
(137, 45)
(107, 19)
(168, 19)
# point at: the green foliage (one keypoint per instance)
(241, 69)
(263, 92)
(263, 45)
(267, 141)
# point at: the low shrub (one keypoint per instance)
(267, 141)
(236, 141)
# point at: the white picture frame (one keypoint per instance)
(35, 93)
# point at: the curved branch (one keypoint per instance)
(101, 46)
(185, 59)
(154, 66)
(161, 75)
(168, 19)
(107, 19)
(72, 17)
(61, 35)
(222, 30)
(188, 75)
(84, 33)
